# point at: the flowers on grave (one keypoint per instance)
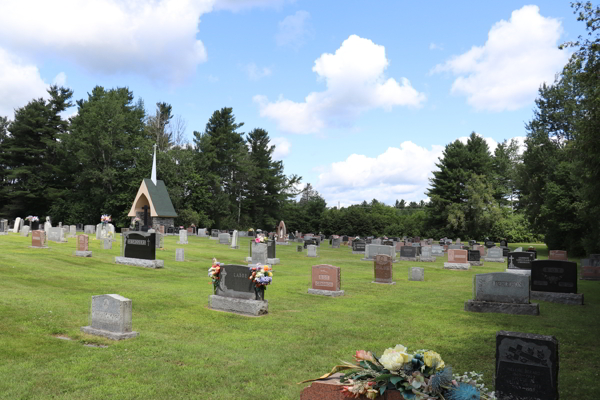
(262, 277)
(260, 239)
(105, 219)
(421, 375)
(250, 230)
(214, 272)
(32, 218)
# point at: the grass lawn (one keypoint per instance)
(187, 351)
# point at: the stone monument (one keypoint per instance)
(501, 292)
(110, 317)
(326, 280)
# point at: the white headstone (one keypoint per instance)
(183, 239)
(234, 240)
(17, 225)
(179, 255)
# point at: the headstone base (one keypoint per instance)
(330, 293)
(213, 238)
(3, 233)
(83, 253)
(384, 283)
(457, 266)
(358, 252)
(519, 271)
(427, 259)
(238, 306)
(476, 263)
(178, 242)
(140, 262)
(282, 243)
(107, 334)
(502, 308)
(575, 299)
(249, 259)
(407, 258)
(37, 247)
(272, 261)
(490, 259)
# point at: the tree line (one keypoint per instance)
(78, 168)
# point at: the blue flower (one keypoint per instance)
(463, 392)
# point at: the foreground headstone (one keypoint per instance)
(383, 269)
(555, 281)
(311, 251)
(501, 292)
(457, 260)
(111, 317)
(183, 237)
(83, 246)
(494, 254)
(139, 249)
(326, 280)
(236, 293)
(38, 240)
(179, 255)
(526, 366)
(416, 274)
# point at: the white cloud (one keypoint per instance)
(434, 46)
(492, 143)
(355, 81)
(282, 147)
(19, 83)
(238, 5)
(294, 30)
(506, 72)
(60, 79)
(255, 73)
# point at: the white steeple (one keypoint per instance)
(153, 177)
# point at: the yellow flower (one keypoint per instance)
(394, 359)
(431, 357)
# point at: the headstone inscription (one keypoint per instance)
(311, 251)
(555, 281)
(111, 317)
(457, 260)
(526, 366)
(557, 255)
(501, 292)
(38, 239)
(474, 257)
(358, 246)
(383, 269)
(183, 237)
(416, 274)
(494, 254)
(236, 292)
(83, 246)
(520, 262)
(326, 280)
(139, 249)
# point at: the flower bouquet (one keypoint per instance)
(262, 277)
(421, 375)
(32, 218)
(214, 273)
(260, 239)
(105, 219)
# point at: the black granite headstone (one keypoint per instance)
(344, 238)
(489, 244)
(554, 276)
(358, 245)
(408, 251)
(170, 230)
(519, 260)
(311, 241)
(387, 243)
(139, 245)
(505, 251)
(503, 243)
(235, 282)
(473, 255)
(526, 366)
(271, 248)
(251, 233)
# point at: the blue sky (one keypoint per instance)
(358, 96)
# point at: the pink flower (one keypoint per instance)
(364, 355)
(257, 240)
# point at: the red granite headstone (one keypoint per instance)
(383, 269)
(457, 256)
(326, 277)
(82, 242)
(557, 255)
(38, 239)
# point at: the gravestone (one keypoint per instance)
(326, 280)
(3, 227)
(299, 248)
(236, 293)
(374, 249)
(271, 252)
(455, 247)
(408, 253)
(235, 240)
(427, 254)
(518, 249)
(72, 231)
(38, 239)
(160, 240)
(183, 237)
(259, 253)
(281, 233)
(83, 246)
(345, 238)
(383, 269)
(79, 227)
(202, 232)
(311, 251)
(482, 250)
(56, 235)
(25, 231)
(494, 254)
(534, 251)
(17, 226)
(457, 260)
(311, 241)
(437, 250)
(336, 243)
(590, 267)
(501, 292)
(489, 244)
(139, 249)
(555, 281)
(110, 317)
(416, 274)
(557, 255)
(179, 255)
(520, 262)
(358, 246)
(526, 366)
(89, 229)
(376, 241)
(474, 258)
(214, 234)
(224, 238)
(108, 244)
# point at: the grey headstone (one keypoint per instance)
(234, 240)
(183, 237)
(311, 250)
(501, 287)
(437, 250)
(416, 274)
(179, 255)
(111, 316)
(372, 250)
(108, 244)
(224, 238)
(259, 253)
(25, 231)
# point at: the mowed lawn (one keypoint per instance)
(187, 351)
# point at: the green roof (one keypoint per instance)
(160, 198)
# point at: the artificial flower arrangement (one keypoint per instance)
(214, 273)
(260, 239)
(421, 375)
(32, 218)
(105, 218)
(250, 230)
(262, 277)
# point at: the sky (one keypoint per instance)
(359, 97)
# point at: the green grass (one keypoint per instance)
(187, 351)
